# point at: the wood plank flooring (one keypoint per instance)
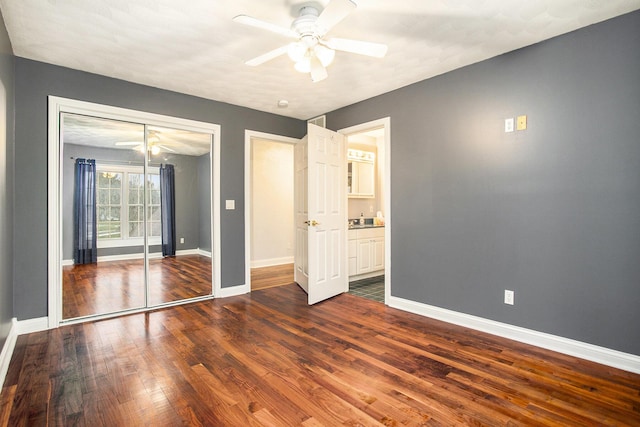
(268, 359)
(113, 286)
(268, 277)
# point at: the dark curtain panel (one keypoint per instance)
(168, 209)
(85, 234)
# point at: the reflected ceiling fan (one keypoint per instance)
(312, 52)
(153, 144)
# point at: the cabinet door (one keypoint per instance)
(377, 254)
(353, 257)
(366, 179)
(364, 256)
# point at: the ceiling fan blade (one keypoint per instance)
(267, 56)
(165, 148)
(318, 72)
(128, 143)
(253, 22)
(335, 12)
(376, 50)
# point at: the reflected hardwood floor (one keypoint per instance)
(112, 286)
(268, 277)
(268, 359)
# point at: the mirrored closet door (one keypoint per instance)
(136, 216)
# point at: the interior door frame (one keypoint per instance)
(363, 127)
(250, 137)
(57, 105)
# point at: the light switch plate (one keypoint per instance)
(230, 205)
(508, 125)
(521, 123)
(509, 297)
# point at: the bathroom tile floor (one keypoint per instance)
(372, 288)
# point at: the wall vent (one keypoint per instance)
(319, 121)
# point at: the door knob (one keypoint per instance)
(312, 223)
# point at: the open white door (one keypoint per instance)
(321, 214)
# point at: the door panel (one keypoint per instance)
(327, 216)
(116, 281)
(183, 270)
(300, 202)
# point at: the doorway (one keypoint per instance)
(269, 227)
(145, 234)
(369, 249)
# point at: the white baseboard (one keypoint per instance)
(271, 262)
(203, 252)
(7, 351)
(125, 257)
(32, 325)
(357, 277)
(188, 252)
(232, 291)
(594, 353)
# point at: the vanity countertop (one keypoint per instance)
(359, 227)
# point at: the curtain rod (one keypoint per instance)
(120, 162)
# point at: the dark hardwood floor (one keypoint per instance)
(112, 286)
(268, 277)
(268, 359)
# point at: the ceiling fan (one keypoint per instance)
(312, 52)
(153, 144)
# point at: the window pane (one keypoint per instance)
(115, 230)
(103, 197)
(134, 229)
(155, 197)
(133, 197)
(155, 213)
(134, 180)
(115, 197)
(115, 214)
(133, 213)
(155, 229)
(103, 181)
(116, 180)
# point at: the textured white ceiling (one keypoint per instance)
(107, 133)
(193, 46)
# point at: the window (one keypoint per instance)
(120, 205)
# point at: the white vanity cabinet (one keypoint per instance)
(366, 252)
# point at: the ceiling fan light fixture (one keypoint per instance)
(303, 66)
(155, 150)
(324, 54)
(296, 51)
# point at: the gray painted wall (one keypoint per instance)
(188, 194)
(6, 183)
(552, 212)
(34, 81)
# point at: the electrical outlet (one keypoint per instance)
(371, 209)
(182, 240)
(521, 123)
(509, 297)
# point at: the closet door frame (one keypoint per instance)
(58, 105)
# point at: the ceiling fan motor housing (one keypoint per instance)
(305, 24)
